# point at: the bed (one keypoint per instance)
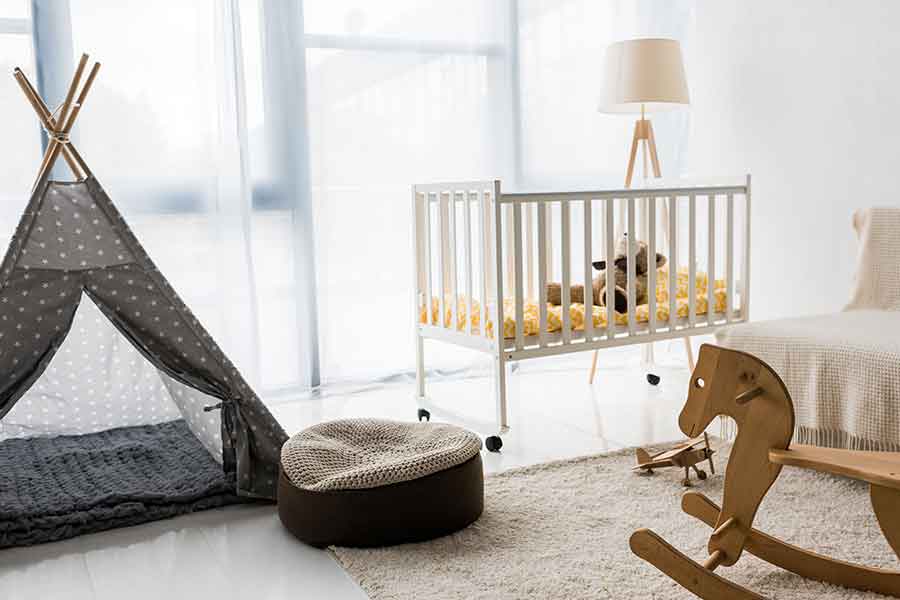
(843, 369)
(484, 256)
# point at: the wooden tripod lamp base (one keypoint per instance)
(640, 75)
(643, 137)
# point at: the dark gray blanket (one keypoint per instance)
(56, 488)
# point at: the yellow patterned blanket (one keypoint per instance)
(576, 311)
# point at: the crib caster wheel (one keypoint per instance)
(653, 379)
(493, 443)
(424, 414)
(701, 474)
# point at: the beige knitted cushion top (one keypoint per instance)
(356, 454)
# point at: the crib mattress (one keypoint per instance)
(577, 310)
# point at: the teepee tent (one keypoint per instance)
(74, 271)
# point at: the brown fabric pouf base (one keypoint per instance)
(409, 511)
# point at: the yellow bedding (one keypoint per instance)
(576, 311)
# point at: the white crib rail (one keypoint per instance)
(508, 247)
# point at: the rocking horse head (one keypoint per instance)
(739, 385)
(726, 382)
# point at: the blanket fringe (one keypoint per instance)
(834, 438)
(828, 438)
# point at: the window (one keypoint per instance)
(398, 93)
(266, 165)
(20, 155)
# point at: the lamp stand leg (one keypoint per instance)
(641, 128)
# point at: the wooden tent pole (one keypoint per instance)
(46, 118)
(73, 87)
(81, 98)
(67, 128)
(53, 148)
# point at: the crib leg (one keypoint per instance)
(593, 367)
(502, 412)
(420, 368)
(647, 356)
(690, 352)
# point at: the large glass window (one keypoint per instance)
(399, 93)
(20, 154)
(187, 130)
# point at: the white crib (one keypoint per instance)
(479, 246)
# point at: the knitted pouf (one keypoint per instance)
(372, 482)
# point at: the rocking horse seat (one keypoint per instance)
(879, 468)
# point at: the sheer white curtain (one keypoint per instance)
(20, 153)
(407, 92)
(264, 149)
(565, 140)
(165, 131)
(399, 93)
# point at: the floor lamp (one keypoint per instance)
(641, 76)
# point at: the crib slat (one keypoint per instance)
(745, 276)
(418, 256)
(610, 280)
(442, 256)
(509, 250)
(729, 259)
(673, 261)
(499, 329)
(588, 280)
(632, 268)
(542, 273)
(566, 271)
(428, 294)
(651, 264)
(467, 223)
(711, 259)
(529, 252)
(451, 260)
(548, 207)
(692, 260)
(520, 288)
(484, 227)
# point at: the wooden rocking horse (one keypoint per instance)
(728, 382)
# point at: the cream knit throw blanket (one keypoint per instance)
(878, 262)
(843, 370)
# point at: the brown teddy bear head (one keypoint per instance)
(640, 257)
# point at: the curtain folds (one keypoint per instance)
(263, 150)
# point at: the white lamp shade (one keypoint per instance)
(648, 72)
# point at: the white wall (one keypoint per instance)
(803, 95)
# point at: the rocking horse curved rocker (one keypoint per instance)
(733, 383)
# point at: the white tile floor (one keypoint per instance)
(242, 552)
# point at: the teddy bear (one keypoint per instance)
(620, 275)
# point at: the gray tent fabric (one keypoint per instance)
(70, 241)
(98, 381)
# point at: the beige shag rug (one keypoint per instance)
(560, 530)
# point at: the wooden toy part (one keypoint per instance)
(743, 387)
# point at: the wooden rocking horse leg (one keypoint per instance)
(803, 562)
(695, 578)
(886, 504)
